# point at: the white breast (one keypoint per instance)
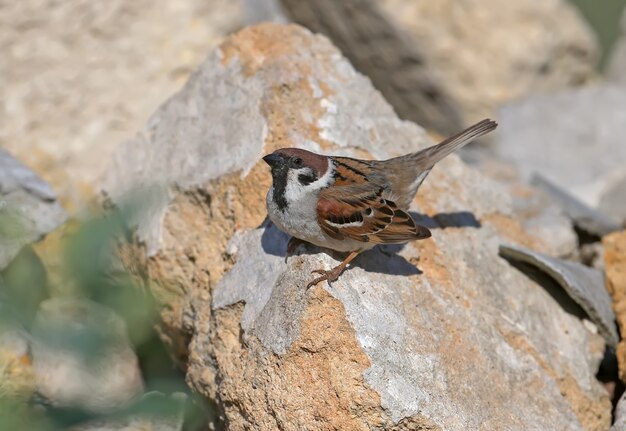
(299, 219)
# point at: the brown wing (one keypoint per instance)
(349, 171)
(360, 212)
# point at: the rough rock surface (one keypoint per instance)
(615, 270)
(439, 334)
(583, 284)
(566, 137)
(82, 356)
(443, 62)
(86, 75)
(613, 200)
(591, 221)
(542, 218)
(28, 208)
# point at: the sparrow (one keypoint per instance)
(351, 205)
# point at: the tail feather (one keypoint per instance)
(428, 157)
(407, 173)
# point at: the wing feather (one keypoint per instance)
(361, 212)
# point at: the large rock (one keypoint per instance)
(583, 284)
(613, 198)
(438, 334)
(28, 208)
(592, 222)
(444, 62)
(573, 138)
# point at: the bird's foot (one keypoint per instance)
(292, 245)
(330, 276)
(333, 274)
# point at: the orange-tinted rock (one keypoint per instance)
(439, 334)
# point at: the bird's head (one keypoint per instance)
(295, 164)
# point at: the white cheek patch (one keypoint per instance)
(296, 191)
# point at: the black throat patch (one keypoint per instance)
(279, 182)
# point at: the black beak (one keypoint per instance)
(272, 159)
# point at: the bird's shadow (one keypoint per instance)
(383, 259)
(447, 220)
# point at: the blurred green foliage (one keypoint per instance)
(604, 17)
(90, 270)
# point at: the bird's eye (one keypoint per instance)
(297, 162)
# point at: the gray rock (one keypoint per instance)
(440, 333)
(82, 356)
(543, 219)
(613, 200)
(75, 89)
(28, 208)
(572, 138)
(583, 284)
(590, 220)
(446, 63)
(540, 214)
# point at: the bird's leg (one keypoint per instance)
(292, 245)
(334, 273)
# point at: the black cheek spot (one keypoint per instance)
(306, 179)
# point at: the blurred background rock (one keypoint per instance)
(80, 77)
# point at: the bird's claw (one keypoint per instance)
(330, 276)
(292, 245)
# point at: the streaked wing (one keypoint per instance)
(361, 212)
(349, 171)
